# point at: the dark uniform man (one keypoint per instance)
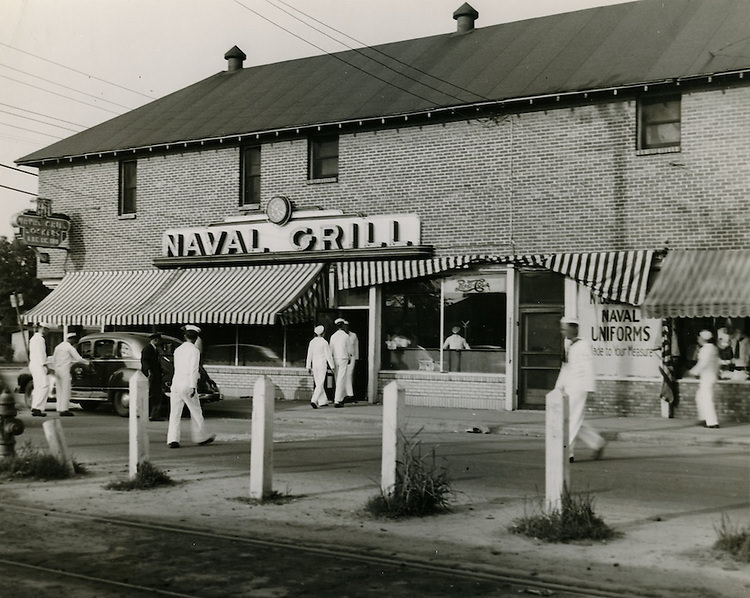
(151, 367)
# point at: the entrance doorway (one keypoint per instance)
(541, 305)
(358, 319)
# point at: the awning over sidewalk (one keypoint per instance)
(701, 283)
(620, 276)
(265, 294)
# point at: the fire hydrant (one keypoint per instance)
(10, 425)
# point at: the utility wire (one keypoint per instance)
(374, 49)
(346, 62)
(19, 190)
(145, 95)
(29, 130)
(39, 121)
(91, 95)
(44, 115)
(19, 170)
(60, 94)
(361, 53)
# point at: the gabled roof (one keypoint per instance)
(621, 45)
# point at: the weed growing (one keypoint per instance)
(574, 520)
(31, 462)
(422, 486)
(733, 539)
(147, 476)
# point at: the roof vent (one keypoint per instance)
(465, 16)
(234, 58)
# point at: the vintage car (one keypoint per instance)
(113, 358)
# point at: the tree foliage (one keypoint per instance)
(17, 274)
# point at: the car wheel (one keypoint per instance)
(89, 405)
(121, 403)
(27, 392)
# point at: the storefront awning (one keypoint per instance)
(619, 276)
(265, 294)
(701, 283)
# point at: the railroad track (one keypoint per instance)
(508, 583)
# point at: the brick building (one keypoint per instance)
(490, 179)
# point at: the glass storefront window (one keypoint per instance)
(730, 336)
(474, 324)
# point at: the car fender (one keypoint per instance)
(120, 380)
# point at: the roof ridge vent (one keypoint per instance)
(234, 57)
(465, 16)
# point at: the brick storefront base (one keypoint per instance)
(622, 398)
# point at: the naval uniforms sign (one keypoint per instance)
(623, 342)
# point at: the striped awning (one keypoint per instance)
(265, 294)
(701, 283)
(350, 275)
(619, 276)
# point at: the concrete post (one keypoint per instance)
(557, 471)
(53, 431)
(261, 441)
(138, 418)
(393, 416)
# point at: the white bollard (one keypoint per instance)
(556, 471)
(261, 441)
(393, 416)
(53, 431)
(138, 418)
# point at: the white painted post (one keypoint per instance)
(557, 475)
(261, 441)
(53, 431)
(138, 418)
(393, 415)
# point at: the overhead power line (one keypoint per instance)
(91, 95)
(39, 121)
(377, 51)
(60, 95)
(19, 170)
(29, 130)
(19, 190)
(44, 115)
(145, 95)
(339, 58)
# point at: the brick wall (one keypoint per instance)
(557, 180)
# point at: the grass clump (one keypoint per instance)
(733, 539)
(574, 520)
(30, 462)
(147, 476)
(422, 486)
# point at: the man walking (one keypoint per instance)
(707, 371)
(185, 392)
(353, 358)
(340, 348)
(577, 380)
(64, 356)
(318, 361)
(38, 369)
(151, 368)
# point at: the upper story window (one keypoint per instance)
(250, 169)
(659, 121)
(324, 157)
(128, 186)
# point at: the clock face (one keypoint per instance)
(279, 210)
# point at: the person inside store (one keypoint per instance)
(318, 361)
(707, 371)
(454, 344)
(151, 368)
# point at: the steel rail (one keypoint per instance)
(581, 590)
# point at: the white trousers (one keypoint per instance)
(577, 427)
(179, 398)
(340, 367)
(63, 383)
(704, 401)
(41, 387)
(319, 396)
(350, 378)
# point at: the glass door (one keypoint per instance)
(540, 353)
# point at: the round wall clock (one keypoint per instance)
(279, 210)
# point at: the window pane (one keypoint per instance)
(128, 187)
(541, 288)
(662, 112)
(324, 157)
(250, 169)
(659, 124)
(663, 135)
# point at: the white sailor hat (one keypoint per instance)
(319, 329)
(706, 335)
(70, 335)
(570, 321)
(192, 327)
(340, 321)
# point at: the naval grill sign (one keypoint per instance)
(304, 235)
